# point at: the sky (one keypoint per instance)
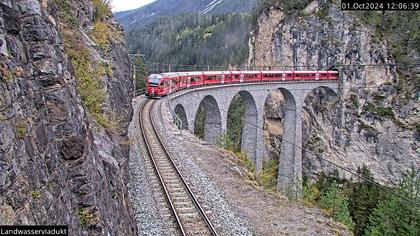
(123, 5)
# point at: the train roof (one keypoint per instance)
(198, 73)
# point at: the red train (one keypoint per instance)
(159, 85)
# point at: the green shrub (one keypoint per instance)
(101, 34)
(378, 97)
(383, 112)
(65, 13)
(88, 77)
(335, 201)
(244, 159)
(20, 129)
(269, 174)
(85, 216)
(366, 127)
(354, 100)
(36, 194)
(5, 73)
(311, 194)
(224, 141)
(102, 9)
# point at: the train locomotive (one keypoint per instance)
(159, 85)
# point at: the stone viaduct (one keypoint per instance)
(216, 101)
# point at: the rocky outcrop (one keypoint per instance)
(63, 145)
(370, 122)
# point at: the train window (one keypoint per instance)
(211, 77)
(154, 80)
(271, 75)
(219, 77)
(248, 76)
(175, 83)
(195, 79)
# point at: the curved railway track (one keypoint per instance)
(184, 212)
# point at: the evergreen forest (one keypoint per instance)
(193, 41)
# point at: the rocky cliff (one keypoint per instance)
(373, 121)
(65, 106)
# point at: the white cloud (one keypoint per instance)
(123, 5)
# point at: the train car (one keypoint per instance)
(154, 86)
(159, 85)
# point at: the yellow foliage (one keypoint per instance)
(86, 216)
(101, 34)
(88, 77)
(5, 73)
(20, 129)
(36, 194)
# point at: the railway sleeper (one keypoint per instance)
(186, 210)
(182, 204)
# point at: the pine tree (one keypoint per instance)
(140, 72)
(363, 199)
(335, 201)
(395, 215)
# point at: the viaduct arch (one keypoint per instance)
(216, 101)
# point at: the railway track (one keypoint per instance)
(181, 210)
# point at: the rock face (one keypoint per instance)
(58, 165)
(369, 122)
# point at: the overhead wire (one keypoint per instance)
(285, 66)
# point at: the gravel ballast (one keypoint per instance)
(149, 221)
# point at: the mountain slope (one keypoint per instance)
(146, 14)
(193, 39)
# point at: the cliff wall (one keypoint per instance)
(65, 106)
(374, 119)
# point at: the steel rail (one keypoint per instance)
(193, 198)
(178, 221)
